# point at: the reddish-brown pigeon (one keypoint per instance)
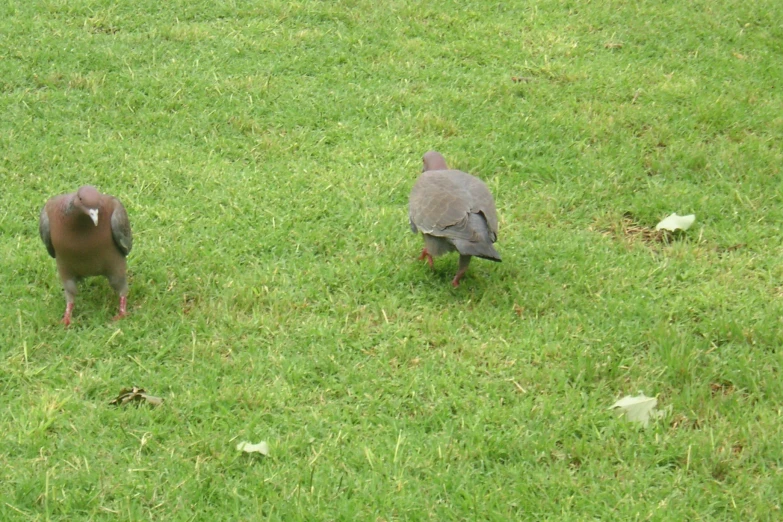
(88, 234)
(454, 211)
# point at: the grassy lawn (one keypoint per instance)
(265, 151)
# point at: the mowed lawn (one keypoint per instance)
(265, 151)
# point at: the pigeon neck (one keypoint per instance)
(70, 208)
(76, 216)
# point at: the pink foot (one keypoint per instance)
(426, 255)
(123, 311)
(455, 282)
(66, 320)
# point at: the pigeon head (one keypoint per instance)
(88, 200)
(434, 161)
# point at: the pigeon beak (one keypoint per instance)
(93, 213)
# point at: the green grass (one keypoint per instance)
(265, 152)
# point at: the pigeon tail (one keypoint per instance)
(481, 243)
(478, 249)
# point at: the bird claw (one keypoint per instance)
(426, 255)
(119, 316)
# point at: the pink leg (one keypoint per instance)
(464, 261)
(123, 308)
(426, 255)
(67, 315)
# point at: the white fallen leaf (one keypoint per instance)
(674, 222)
(262, 447)
(638, 409)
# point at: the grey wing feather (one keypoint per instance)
(437, 204)
(121, 229)
(442, 202)
(44, 231)
(413, 225)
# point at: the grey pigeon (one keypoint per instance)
(454, 211)
(88, 234)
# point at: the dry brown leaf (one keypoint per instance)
(136, 395)
(631, 231)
